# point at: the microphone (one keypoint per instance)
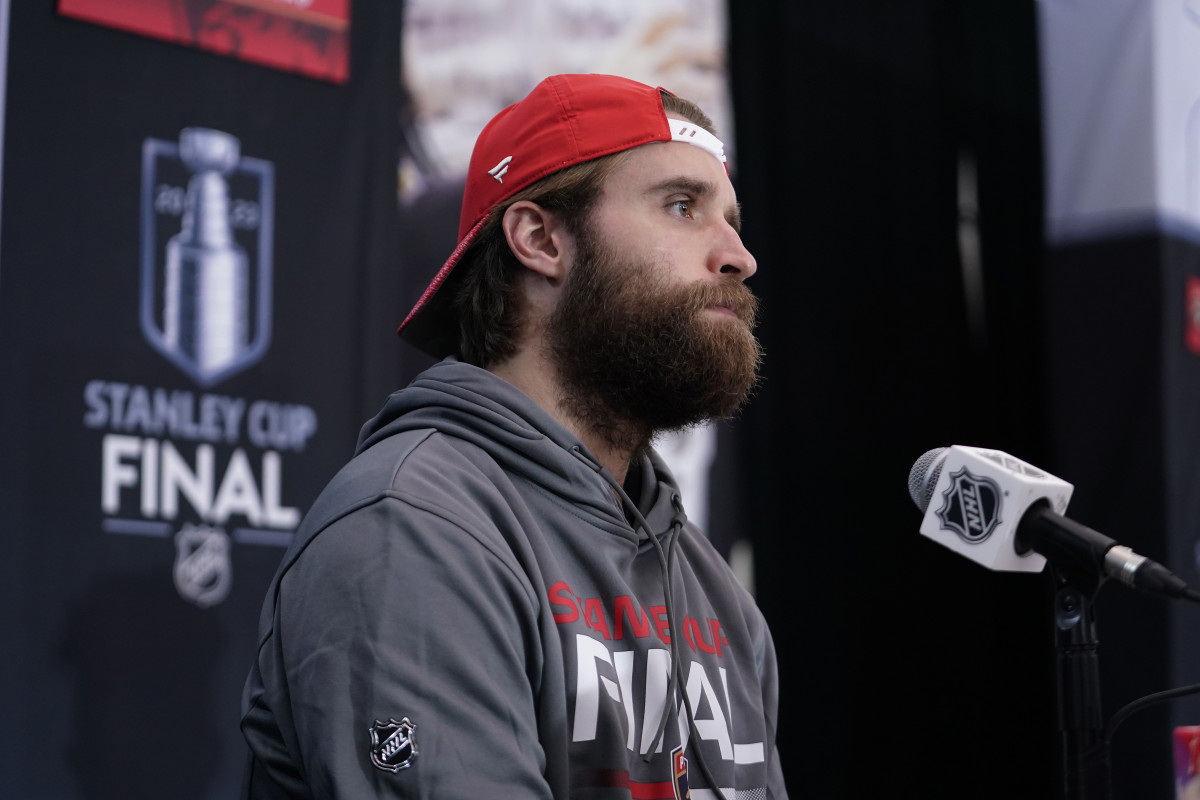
(1006, 515)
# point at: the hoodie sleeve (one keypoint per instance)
(396, 612)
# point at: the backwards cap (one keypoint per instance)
(565, 120)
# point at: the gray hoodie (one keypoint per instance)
(468, 611)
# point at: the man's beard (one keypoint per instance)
(638, 354)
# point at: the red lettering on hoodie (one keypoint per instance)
(624, 609)
(633, 621)
(593, 616)
(560, 595)
(718, 637)
(659, 615)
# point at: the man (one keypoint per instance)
(499, 596)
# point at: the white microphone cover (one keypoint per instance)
(975, 500)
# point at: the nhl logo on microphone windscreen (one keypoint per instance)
(970, 506)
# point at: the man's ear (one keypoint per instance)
(538, 239)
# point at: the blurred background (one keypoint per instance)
(977, 222)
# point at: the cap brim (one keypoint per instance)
(432, 325)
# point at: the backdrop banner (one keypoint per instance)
(193, 250)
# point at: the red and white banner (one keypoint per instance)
(311, 37)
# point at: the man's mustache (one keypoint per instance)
(731, 294)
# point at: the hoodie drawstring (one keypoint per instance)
(666, 560)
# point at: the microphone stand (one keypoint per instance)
(1086, 772)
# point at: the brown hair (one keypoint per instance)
(487, 299)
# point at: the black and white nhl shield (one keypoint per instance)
(203, 572)
(970, 506)
(393, 744)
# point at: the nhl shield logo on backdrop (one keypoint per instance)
(206, 242)
(970, 506)
(203, 573)
(393, 744)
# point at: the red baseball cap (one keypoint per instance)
(565, 120)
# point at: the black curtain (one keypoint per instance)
(907, 669)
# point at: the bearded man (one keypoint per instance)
(500, 595)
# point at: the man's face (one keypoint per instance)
(654, 325)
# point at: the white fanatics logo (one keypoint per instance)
(500, 169)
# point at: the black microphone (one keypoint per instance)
(1002, 513)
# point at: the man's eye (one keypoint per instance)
(683, 208)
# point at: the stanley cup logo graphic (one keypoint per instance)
(206, 315)
(201, 307)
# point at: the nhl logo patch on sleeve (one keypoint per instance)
(393, 744)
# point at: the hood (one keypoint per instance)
(476, 406)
